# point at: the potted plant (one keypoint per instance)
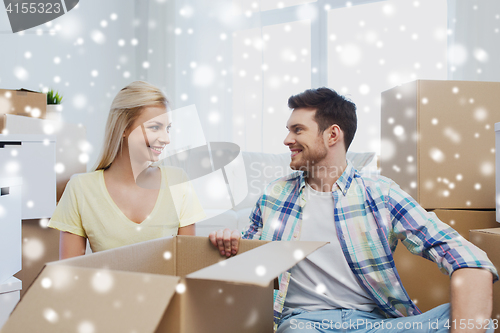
(54, 106)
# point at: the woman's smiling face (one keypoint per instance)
(149, 134)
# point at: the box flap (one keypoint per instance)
(260, 265)
(194, 253)
(156, 256)
(75, 299)
(12, 284)
(27, 90)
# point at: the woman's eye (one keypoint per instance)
(155, 128)
(168, 129)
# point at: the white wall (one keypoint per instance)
(86, 98)
(169, 56)
(475, 41)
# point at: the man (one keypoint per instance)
(351, 284)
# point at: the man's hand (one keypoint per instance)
(471, 299)
(226, 241)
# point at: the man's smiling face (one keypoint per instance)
(307, 146)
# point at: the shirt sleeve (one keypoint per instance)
(66, 216)
(254, 228)
(425, 235)
(191, 210)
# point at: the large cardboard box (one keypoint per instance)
(438, 142)
(175, 284)
(422, 279)
(489, 241)
(22, 102)
(40, 246)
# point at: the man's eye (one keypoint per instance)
(297, 130)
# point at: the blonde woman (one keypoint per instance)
(126, 199)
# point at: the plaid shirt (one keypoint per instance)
(371, 215)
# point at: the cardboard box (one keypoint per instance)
(497, 169)
(489, 241)
(10, 227)
(9, 296)
(40, 246)
(175, 284)
(438, 142)
(70, 144)
(434, 289)
(22, 102)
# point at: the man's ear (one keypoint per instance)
(335, 135)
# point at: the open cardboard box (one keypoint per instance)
(175, 284)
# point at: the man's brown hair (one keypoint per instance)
(331, 108)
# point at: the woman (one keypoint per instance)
(126, 199)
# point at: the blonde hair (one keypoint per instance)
(125, 109)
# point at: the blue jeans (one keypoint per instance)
(348, 320)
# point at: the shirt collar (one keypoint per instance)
(345, 179)
(343, 183)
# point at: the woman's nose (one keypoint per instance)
(164, 138)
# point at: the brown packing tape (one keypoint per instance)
(420, 277)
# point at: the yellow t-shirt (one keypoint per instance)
(86, 209)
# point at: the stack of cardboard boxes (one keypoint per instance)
(438, 144)
(28, 152)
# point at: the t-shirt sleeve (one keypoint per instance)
(186, 201)
(66, 216)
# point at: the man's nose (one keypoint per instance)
(289, 140)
